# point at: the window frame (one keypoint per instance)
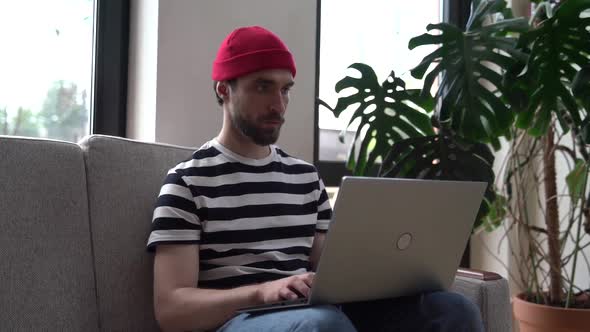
(110, 62)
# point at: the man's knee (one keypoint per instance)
(324, 319)
(310, 319)
(454, 310)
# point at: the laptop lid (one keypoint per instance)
(395, 237)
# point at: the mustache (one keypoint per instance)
(277, 118)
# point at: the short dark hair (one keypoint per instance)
(231, 83)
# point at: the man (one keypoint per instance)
(242, 223)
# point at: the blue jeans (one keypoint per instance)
(312, 319)
(438, 311)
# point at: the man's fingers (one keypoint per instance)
(301, 287)
(295, 286)
(308, 278)
(287, 294)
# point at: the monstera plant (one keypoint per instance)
(502, 79)
(413, 136)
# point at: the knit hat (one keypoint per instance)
(250, 49)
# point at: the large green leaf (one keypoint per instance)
(581, 86)
(496, 214)
(516, 87)
(388, 113)
(577, 180)
(470, 91)
(442, 157)
(581, 90)
(585, 130)
(560, 46)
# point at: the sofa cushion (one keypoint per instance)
(46, 274)
(124, 178)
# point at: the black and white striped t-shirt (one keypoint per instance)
(254, 219)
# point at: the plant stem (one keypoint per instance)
(552, 217)
(568, 151)
(522, 202)
(577, 247)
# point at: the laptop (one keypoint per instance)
(391, 237)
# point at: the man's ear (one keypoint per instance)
(222, 90)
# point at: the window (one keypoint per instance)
(63, 67)
(46, 66)
(374, 32)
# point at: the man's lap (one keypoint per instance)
(314, 319)
(437, 311)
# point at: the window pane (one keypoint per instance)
(374, 32)
(46, 68)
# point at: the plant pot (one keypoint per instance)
(532, 317)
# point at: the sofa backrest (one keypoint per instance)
(124, 178)
(46, 271)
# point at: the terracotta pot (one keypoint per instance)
(533, 317)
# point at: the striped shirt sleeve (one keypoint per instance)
(175, 217)
(324, 209)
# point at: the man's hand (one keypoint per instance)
(286, 288)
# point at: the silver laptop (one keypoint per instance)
(390, 238)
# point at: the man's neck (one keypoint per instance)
(237, 143)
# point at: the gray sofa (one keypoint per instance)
(74, 221)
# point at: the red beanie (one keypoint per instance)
(250, 49)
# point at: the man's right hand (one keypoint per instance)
(180, 306)
(286, 288)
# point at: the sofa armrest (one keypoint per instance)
(489, 291)
(478, 274)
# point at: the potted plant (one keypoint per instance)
(549, 99)
(502, 79)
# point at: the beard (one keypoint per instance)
(260, 136)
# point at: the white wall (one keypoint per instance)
(188, 34)
(142, 77)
